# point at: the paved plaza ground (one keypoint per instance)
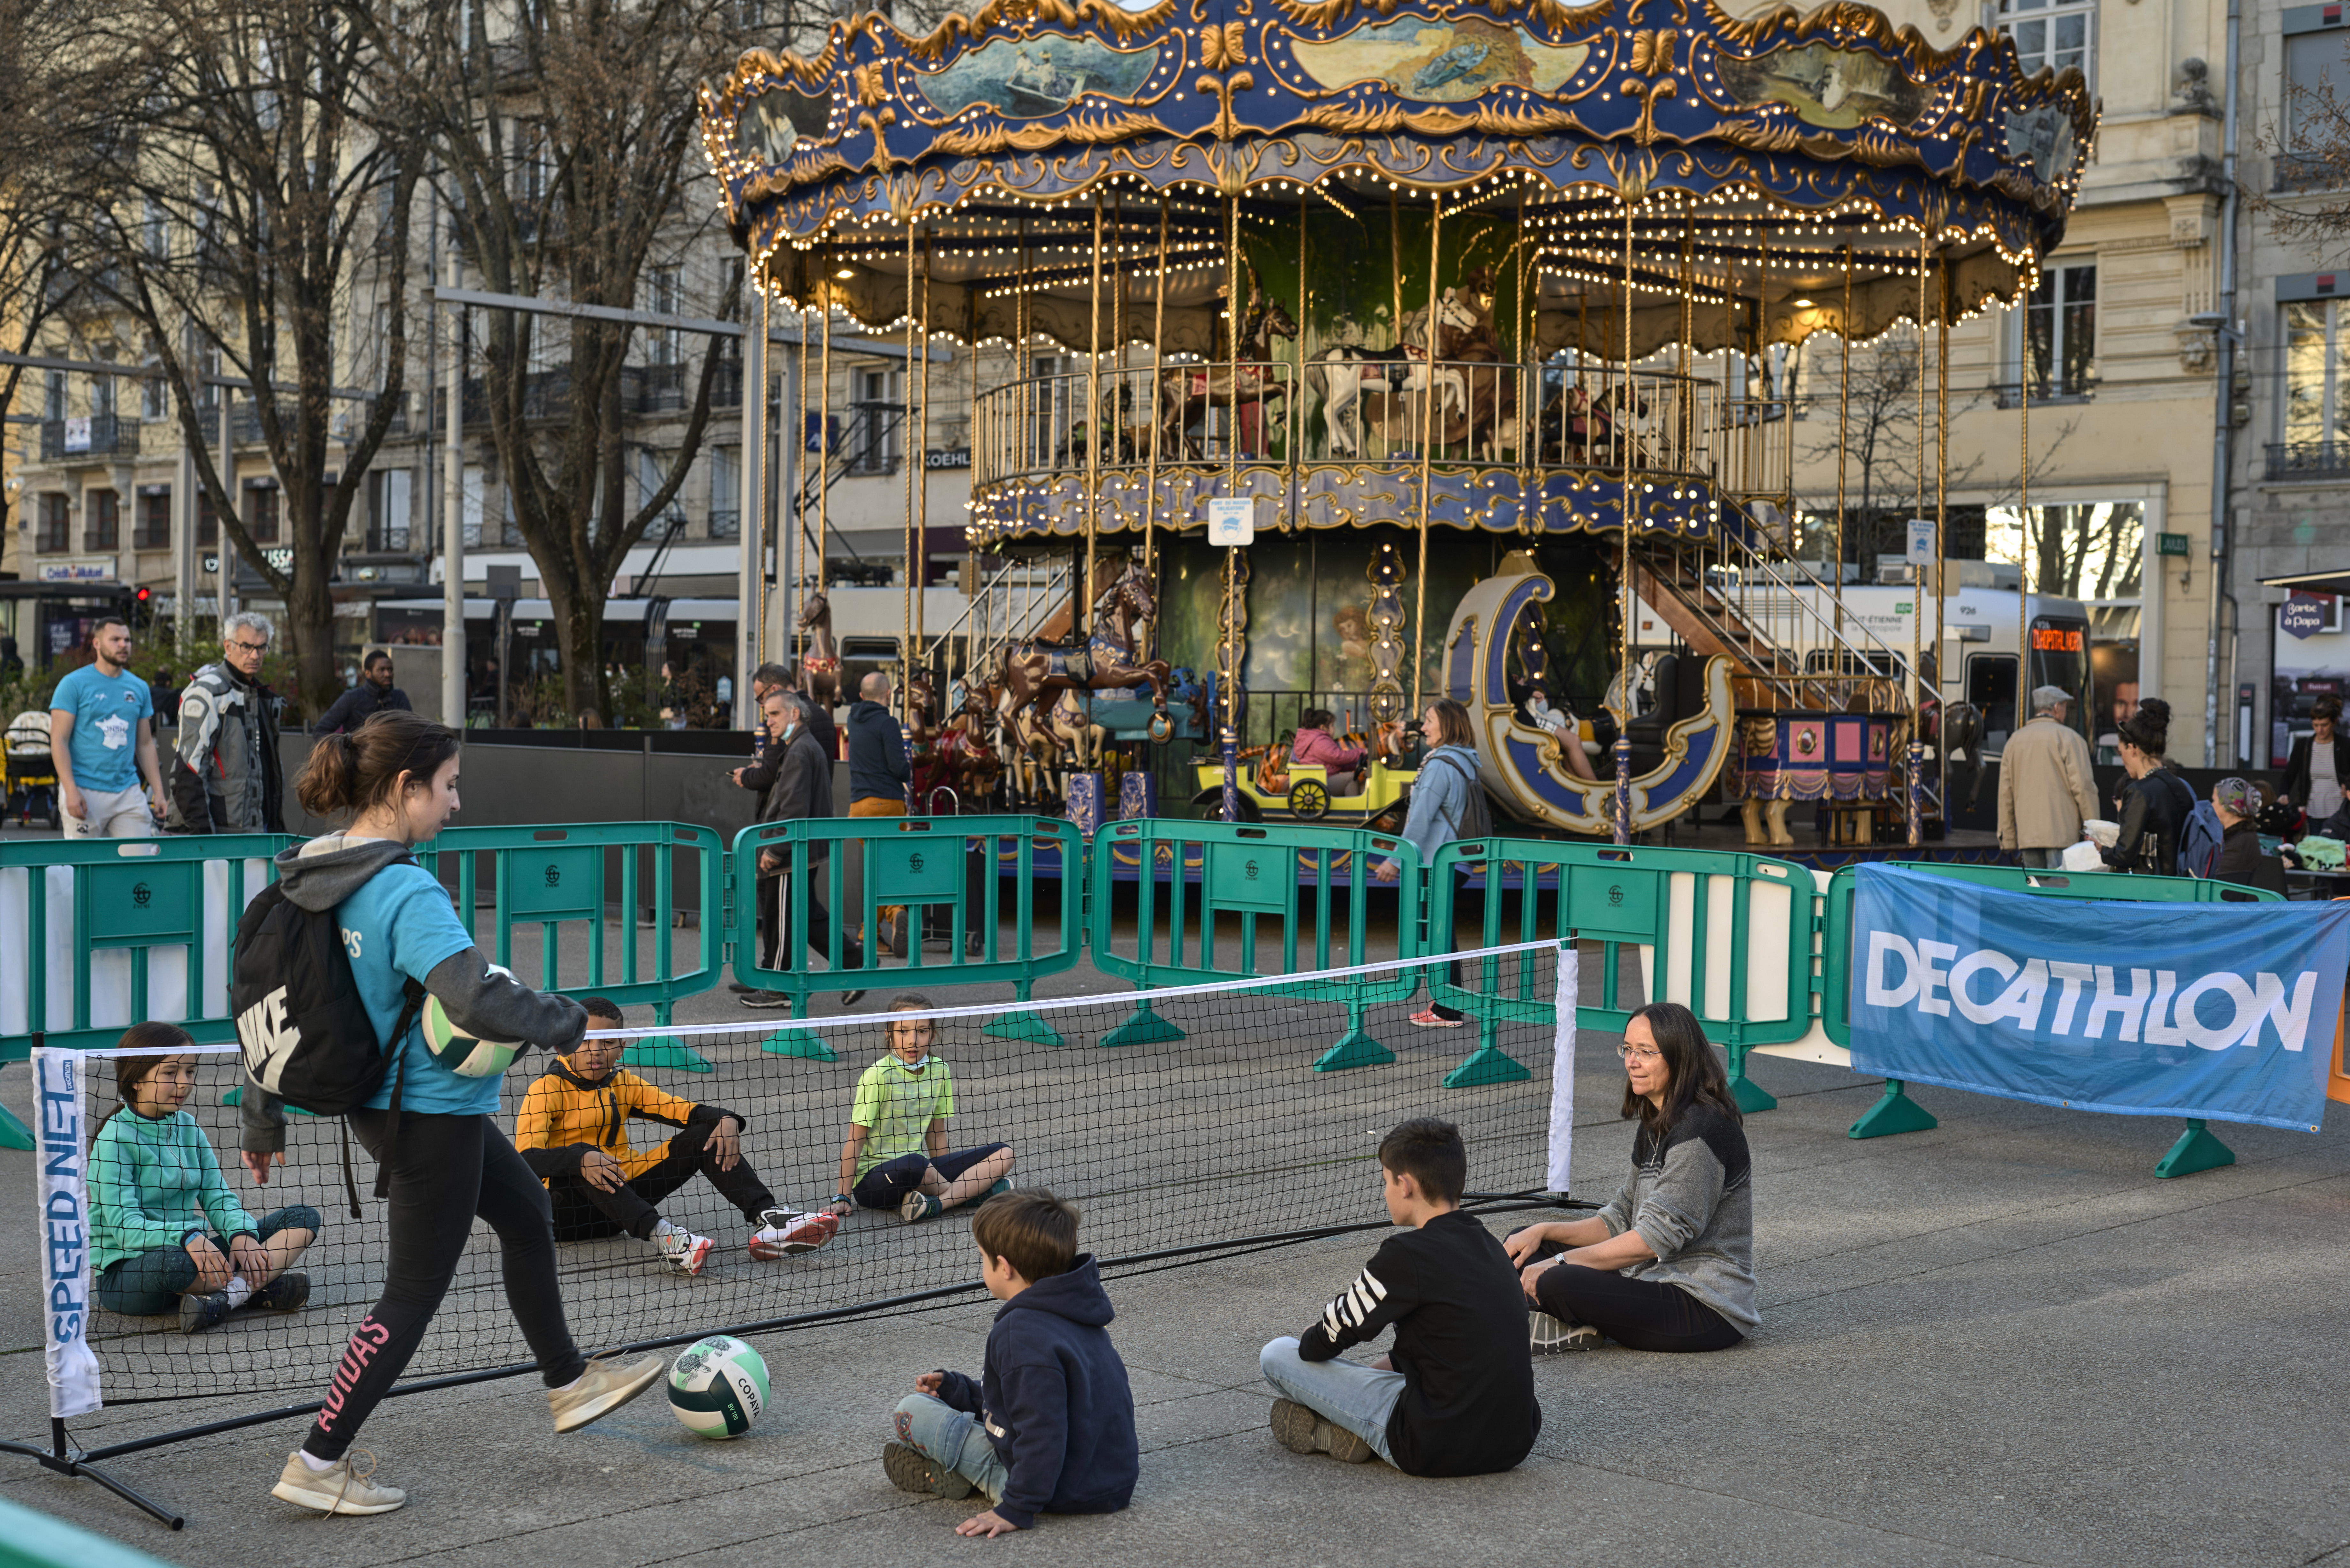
(2003, 1340)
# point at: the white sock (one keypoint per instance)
(237, 1291)
(315, 1465)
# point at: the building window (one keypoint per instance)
(151, 530)
(2060, 333)
(878, 410)
(101, 520)
(53, 395)
(2053, 35)
(261, 512)
(50, 531)
(388, 490)
(207, 523)
(661, 299)
(725, 491)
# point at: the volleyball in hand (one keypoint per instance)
(718, 1387)
(463, 1052)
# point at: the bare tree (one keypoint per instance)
(259, 215)
(568, 134)
(2311, 154)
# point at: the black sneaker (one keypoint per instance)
(765, 999)
(851, 998)
(286, 1293)
(910, 1469)
(199, 1312)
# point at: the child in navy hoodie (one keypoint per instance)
(1050, 1424)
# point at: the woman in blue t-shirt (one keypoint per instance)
(446, 1158)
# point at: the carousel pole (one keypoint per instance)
(921, 461)
(788, 583)
(1426, 453)
(1158, 362)
(1844, 434)
(913, 522)
(1093, 422)
(818, 556)
(1941, 532)
(1624, 575)
(2023, 541)
(1226, 709)
(1916, 750)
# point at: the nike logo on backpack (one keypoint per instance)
(268, 1038)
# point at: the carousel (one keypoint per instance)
(1349, 356)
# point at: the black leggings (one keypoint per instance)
(445, 1171)
(1641, 1315)
(584, 1210)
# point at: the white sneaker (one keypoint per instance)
(1548, 1335)
(783, 1232)
(339, 1488)
(603, 1389)
(684, 1251)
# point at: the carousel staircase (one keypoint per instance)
(1674, 585)
(1762, 611)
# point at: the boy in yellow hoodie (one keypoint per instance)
(573, 1133)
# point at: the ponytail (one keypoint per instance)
(351, 771)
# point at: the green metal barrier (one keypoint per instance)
(29, 1539)
(955, 863)
(1202, 888)
(2198, 1148)
(563, 875)
(145, 897)
(1686, 910)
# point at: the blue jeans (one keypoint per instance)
(152, 1282)
(1347, 1393)
(955, 1439)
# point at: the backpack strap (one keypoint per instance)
(409, 1011)
(1467, 778)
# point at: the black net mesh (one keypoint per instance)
(1207, 1128)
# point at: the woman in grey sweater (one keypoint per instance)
(1669, 1263)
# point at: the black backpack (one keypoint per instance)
(304, 1031)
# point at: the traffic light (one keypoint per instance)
(142, 609)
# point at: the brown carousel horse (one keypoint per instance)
(1033, 674)
(1249, 383)
(819, 667)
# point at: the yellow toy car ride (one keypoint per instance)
(1273, 789)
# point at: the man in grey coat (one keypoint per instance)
(2045, 788)
(802, 790)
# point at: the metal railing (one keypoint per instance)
(2287, 460)
(100, 435)
(1466, 412)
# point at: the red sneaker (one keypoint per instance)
(787, 1232)
(1430, 1019)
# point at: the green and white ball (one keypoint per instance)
(465, 1055)
(718, 1387)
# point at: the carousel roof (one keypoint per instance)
(1671, 148)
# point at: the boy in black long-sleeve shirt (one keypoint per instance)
(1456, 1395)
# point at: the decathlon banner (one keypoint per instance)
(2216, 1011)
(65, 1232)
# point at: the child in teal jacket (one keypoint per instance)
(164, 1226)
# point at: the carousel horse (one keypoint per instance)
(1112, 659)
(1344, 374)
(819, 667)
(1069, 723)
(1247, 386)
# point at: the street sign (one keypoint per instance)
(1921, 541)
(2304, 614)
(2170, 544)
(1232, 520)
(97, 571)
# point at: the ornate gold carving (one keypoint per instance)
(1037, 137)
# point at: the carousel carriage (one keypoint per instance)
(1444, 320)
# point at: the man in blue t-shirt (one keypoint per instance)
(102, 742)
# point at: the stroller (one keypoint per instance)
(29, 777)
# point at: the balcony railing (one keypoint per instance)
(98, 435)
(652, 389)
(2294, 460)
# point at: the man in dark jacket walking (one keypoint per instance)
(802, 791)
(373, 694)
(226, 774)
(758, 776)
(877, 773)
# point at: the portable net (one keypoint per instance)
(1209, 1130)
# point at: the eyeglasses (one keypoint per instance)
(241, 646)
(1638, 1053)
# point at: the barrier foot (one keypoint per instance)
(666, 1050)
(1489, 1063)
(1894, 1112)
(802, 1043)
(1751, 1095)
(236, 1097)
(1356, 1048)
(1026, 1026)
(2197, 1148)
(13, 1134)
(1142, 1027)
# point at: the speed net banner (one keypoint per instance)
(2224, 1012)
